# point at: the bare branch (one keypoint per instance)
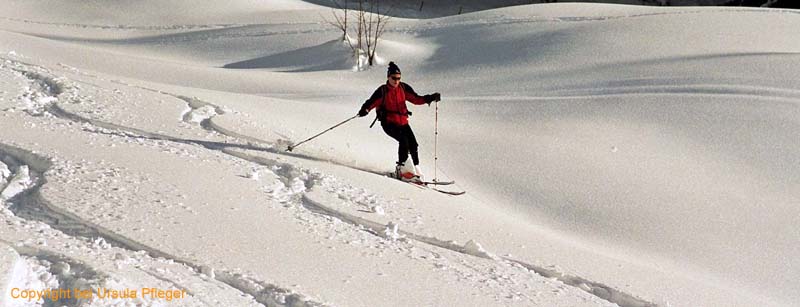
(370, 24)
(341, 22)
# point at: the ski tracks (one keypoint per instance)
(29, 207)
(55, 231)
(305, 191)
(59, 250)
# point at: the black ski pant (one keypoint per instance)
(406, 139)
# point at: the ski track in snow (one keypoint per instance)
(473, 248)
(295, 187)
(29, 211)
(31, 205)
(297, 181)
(293, 184)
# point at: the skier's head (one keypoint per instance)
(393, 74)
(393, 69)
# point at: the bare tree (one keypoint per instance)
(375, 25)
(360, 27)
(370, 24)
(340, 21)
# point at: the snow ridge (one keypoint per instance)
(40, 95)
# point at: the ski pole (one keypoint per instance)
(321, 133)
(435, 141)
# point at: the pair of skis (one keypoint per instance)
(431, 185)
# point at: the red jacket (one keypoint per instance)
(392, 101)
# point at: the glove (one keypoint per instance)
(432, 97)
(362, 113)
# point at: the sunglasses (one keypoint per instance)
(396, 78)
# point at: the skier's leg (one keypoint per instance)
(397, 133)
(413, 146)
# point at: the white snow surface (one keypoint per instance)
(611, 155)
(20, 182)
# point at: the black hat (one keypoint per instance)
(393, 69)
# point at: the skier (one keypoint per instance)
(390, 101)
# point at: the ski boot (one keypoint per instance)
(405, 173)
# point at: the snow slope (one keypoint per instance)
(611, 154)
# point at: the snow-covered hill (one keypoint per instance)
(612, 155)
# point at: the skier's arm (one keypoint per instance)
(411, 95)
(375, 100)
(414, 98)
